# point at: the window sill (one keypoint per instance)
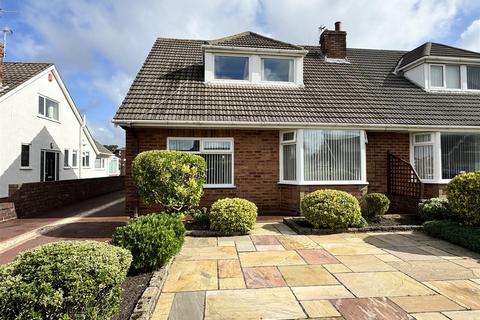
(323, 183)
(443, 181)
(47, 118)
(26, 168)
(67, 168)
(219, 186)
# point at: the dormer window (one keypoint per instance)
(231, 67)
(473, 78)
(277, 69)
(445, 76)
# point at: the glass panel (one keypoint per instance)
(41, 106)
(74, 158)
(65, 158)
(52, 109)
(25, 156)
(288, 136)
(436, 76)
(460, 152)
(216, 145)
(42, 166)
(452, 74)
(332, 155)
(289, 162)
(277, 69)
(473, 77)
(98, 163)
(423, 161)
(113, 166)
(219, 168)
(184, 145)
(231, 67)
(423, 138)
(86, 159)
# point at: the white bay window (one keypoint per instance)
(218, 154)
(324, 157)
(439, 156)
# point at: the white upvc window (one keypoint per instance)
(66, 158)
(231, 67)
(99, 163)
(218, 154)
(323, 156)
(454, 77)
(74, 158)
(440, 156)
(48, 108)
(86, 159)
(278, 69)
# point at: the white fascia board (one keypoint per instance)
(439, 59)
(285, 52)
(286, 125)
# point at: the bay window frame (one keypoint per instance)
(203, 151)
(300, 174)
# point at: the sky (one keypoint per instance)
(99, 45)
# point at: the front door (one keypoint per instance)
(49, 164)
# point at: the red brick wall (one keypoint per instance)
(36, 197)
(434, 190)
(7, 211)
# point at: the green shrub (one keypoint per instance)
(464, 197)
(465, 236)
(434, 209)
(374, 205)
(64, 280)
(233, 215)
(152, 239)
(201, 216)
(171, 179)
(332, 209)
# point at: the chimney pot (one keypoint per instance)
(338, 25)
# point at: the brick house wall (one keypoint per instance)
(256, 166)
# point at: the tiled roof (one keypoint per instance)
(253, 40)
(436, 50)
(170, 88)
(101, 148)
(16, 73)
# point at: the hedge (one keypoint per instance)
(465, 236)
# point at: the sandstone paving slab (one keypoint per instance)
(382, 284)
(439, 253)
(196, 242)
(188, 306)
(468, 263)
(433, 270)
(229, 269)
(270, 258)
(452, 248)
(352, 249)
(362, 263)
(277, 247)
(269, 303)
(328, 239)
(245, 246)
(225, 242)
(265, 229)
(237, 239)
(436, 303)
(397, 240)
(463, 315)
(284, 229)
(463, 292)
(418, 236)
(387, 257)
(336, 268)
(429, 316)
(207, 253)
(164, 304)
(192, 276)
(412, 254)
(263, 277)
(297, 242)
(310, 275)
(264, 240)
(317, 256)
(369, 308)
(231, 283)
(476, 280)
(321, 292)
(319, 308)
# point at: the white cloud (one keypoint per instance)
(115, 86)
(470, 39)
(106, 133)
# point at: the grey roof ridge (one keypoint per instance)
(241, 34)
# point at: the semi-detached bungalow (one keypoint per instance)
(275, 120)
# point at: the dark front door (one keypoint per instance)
(49, 164)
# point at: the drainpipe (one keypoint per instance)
(80, 144)
(137, 151)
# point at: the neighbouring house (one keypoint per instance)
(275, 120)
(120, 153)
(42, 134)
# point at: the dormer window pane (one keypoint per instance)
(231, 67)
(473, 78)
(274, 69)
(436, 76)
(452, 77)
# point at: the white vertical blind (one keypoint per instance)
(219, 168)
(436, 76)
(332, 155)
(423, 161)
(473, 77)
(289, 162)
(460, 152)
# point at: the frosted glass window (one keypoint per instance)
(452, 77)
(436, 76)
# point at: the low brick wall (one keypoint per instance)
(7, 210)
(37, 197)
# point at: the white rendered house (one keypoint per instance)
(42, 134)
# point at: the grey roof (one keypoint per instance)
(16, 73)
(101, 148)
(251, 39)
(170, 87)
(436, 50)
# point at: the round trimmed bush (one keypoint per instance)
(172, 179)
(233, 215)
(152, 239)
(434, 209)
(464, 197)
(332, 209)
(374, 205)
(64, 280)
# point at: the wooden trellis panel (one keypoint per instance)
(402, 178)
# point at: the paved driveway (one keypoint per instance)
(276, 274)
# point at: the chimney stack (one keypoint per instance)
(334, 43)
